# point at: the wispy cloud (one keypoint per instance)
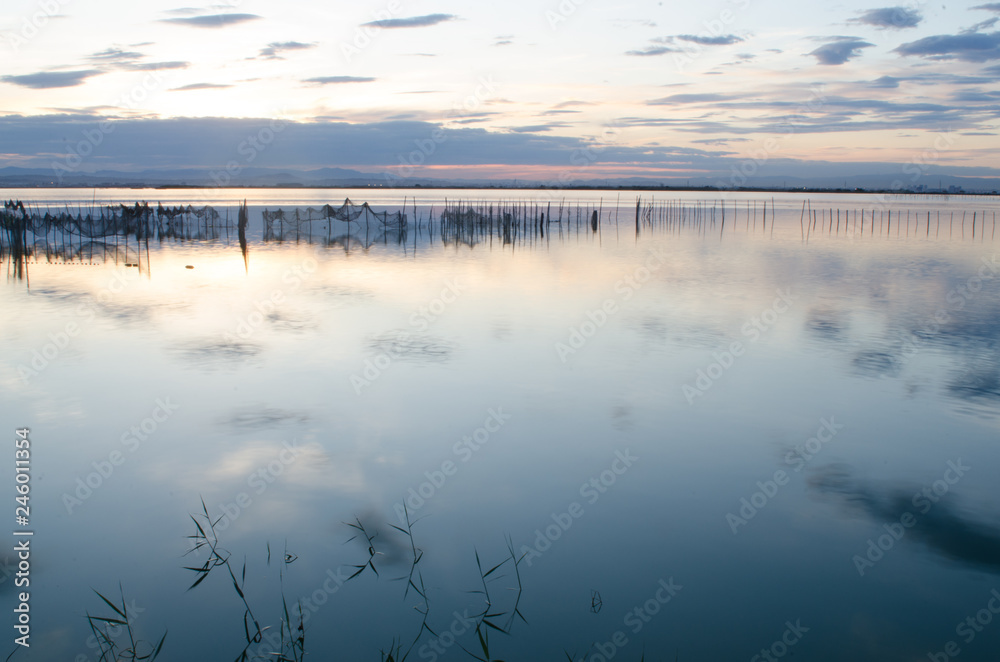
(981, 25)
(329, 80)
(116, 58)
(664, 45)
(412, 22)
(212, 20)
(184, 11)
(720, 40)
(990, 6)
(975, 47)
(537, 128)
(200, 86)
(653, 50)
(273, 50)
(839, 50)
(891, 18)
(156, 66)
(720, 141)
(690, 98)
(52, 79)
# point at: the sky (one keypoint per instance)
(547, 90)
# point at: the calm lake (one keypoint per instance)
(767, 436)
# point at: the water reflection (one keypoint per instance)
(927, 514)
(261, 417)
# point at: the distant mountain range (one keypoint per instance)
(13, 177)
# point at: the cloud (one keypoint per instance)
(412, 22)
(272, 51)
(330, 80)
(116, 58)
(534, 128)
(895, 18)
(840, 51)
(52, 79)
(212, 20)
(664, 45)
(981, 25)
(885, 82)
(653, 50)
(721, 141)
(976, 47)
(156, 66)
(203, 143)
(200, 86)
(720, 40)
(780, 111)
(690, 98)
(992, 6)
(975, 95)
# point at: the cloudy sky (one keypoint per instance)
(525, 88)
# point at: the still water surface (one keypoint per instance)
(701, 442)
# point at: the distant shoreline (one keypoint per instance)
(420, 187)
